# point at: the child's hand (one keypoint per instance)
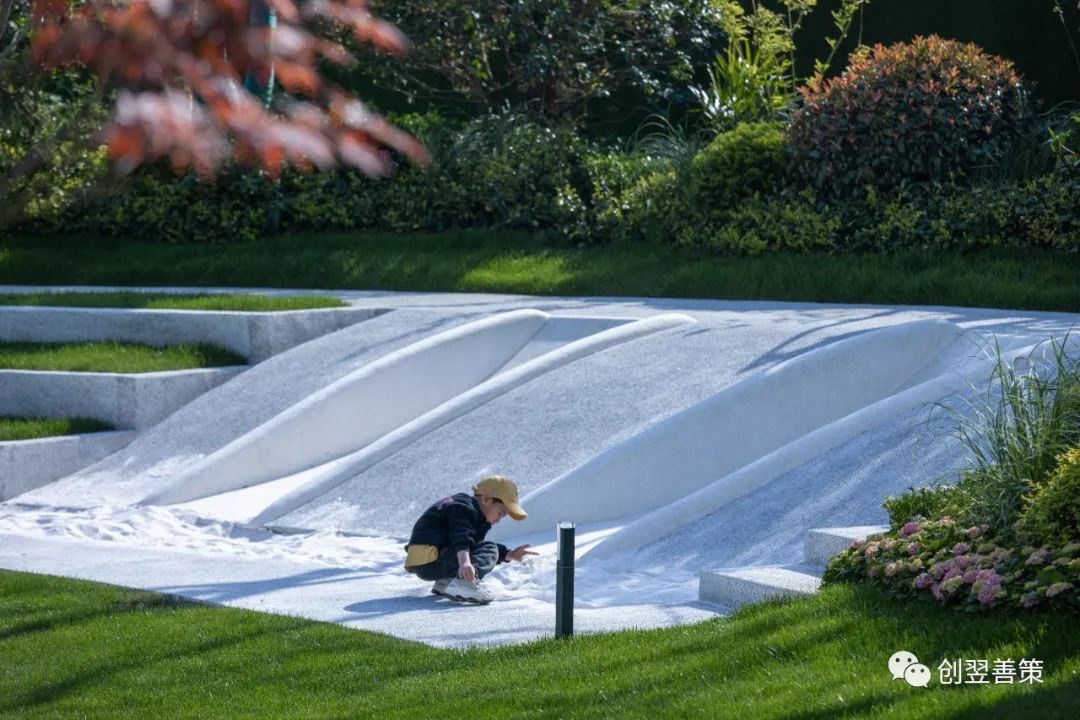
(467, 572)
(519, 553)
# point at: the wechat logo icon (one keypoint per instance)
(904, 665)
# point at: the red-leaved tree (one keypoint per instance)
(178, 68)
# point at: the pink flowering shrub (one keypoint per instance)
(964, 567)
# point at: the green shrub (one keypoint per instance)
(727, 200)
(906, 219)
(1031, 414)
(1053, 511)
(51, 117)
(156, 205)
(1043, 213)
(634, 197)
(930, 109)
(767, 223)
(509, 172)
(514, 171)
(1039, 214)
(926, 503)
(1020, 483)
(551, 58)
(1065, 143)
(500, 171)
(54, 117)
(335, 200)
(736, 165)
(414, 199)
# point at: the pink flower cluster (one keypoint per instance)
(946, 578)
(965, 565)
(1038, 557)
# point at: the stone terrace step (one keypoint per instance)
(126, 401)
(255, 335)
(738, 586)
(822, 543)
(751, 584)
(28, 464)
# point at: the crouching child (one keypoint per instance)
(447, 544)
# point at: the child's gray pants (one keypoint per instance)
(484, 556)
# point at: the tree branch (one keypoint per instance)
(6, 52)
(5, 15)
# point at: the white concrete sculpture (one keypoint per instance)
(360, 407)
(551, 357)
(687, 452)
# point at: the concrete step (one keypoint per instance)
(822, 544)
(125, 401)
(255, 335)
(28, 464)
(739, 586)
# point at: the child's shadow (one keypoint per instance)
(399, 604)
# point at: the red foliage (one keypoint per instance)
(929, 109)
(179, 65)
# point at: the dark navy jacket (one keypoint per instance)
(455, 522)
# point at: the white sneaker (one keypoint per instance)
(468, 592)
(439, 588)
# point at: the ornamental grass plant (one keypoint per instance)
(1029, 417)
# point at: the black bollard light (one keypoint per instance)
(564, 582)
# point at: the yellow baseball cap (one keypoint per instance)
(503, 489)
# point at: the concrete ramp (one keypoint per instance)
(360, 407)
(382, 407)
(691, 450)
(556, 346)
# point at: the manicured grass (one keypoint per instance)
(159, 301)
(14, 428)
(77, 649)
(112, 357)
(521, 263)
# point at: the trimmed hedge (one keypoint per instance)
(616, 199)
(509, 172)
(1042, 213)
(494, 172)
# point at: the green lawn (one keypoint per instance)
(159, 301)
(115, 357)
(15, 428)
(75, 649)
(489, 261)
